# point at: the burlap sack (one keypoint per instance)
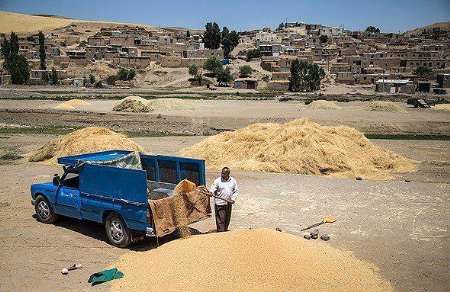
(187, 205)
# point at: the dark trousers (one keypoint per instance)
(223, 216)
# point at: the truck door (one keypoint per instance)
(106, 188)
(68, 196)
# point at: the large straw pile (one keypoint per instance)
(135, 104)
(246, 260)
(82, 141)
(442, 107)
(72, 104)
(301, 147)
(323, 104)
(385, 106)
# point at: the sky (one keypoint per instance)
(388, 15)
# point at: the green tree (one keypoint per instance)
(188, 34)
(281, 26)
(229, 41)
(122, 74)
(234, 38)
(423, 72)
(213, 65)
(224, 75)
(225, 32)
(193, 70)
(305, 77)
(91, 79)
(245, 71)
(314, 76)
(20, 71)
(15, 64)
(295, 81)
(131, 74)
(54, 77)
(372, 29)
(255, 53)
(323, 39)
(42, 54)
(212, 36)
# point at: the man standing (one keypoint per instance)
(225, 191)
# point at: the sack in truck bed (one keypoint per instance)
(186, 206)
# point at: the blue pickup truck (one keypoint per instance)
(113, 188)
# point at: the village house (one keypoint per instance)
(245, 83)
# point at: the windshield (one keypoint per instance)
(71, 180)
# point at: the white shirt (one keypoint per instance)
(224, 189)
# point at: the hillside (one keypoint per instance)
(23, 23)
(441, 25)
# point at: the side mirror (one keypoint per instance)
(56, 180)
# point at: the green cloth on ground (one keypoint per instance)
(105, 276)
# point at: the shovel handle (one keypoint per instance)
(314, 225)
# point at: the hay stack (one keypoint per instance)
(135, 104)
(323, 104)
(246, 260)
(385, 106)
(442, 107)
(301, 147)
(72, 104)
(86, 140)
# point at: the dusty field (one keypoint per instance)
(27, 23)
(402, 227)
(210, 116)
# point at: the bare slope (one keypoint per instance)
(24, 23)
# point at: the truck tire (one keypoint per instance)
(116, 231)
(44, 210)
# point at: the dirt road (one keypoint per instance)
(204, 117)
(400, 226)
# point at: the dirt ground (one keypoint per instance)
(201, 117)
(400, 226)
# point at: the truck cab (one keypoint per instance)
(113, 188)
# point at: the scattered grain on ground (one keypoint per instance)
(168, 104)
(246, 260)
(442, 107)
(385, 106)
(72, 104)
(323, 104)
(82, 141)
(301, 147)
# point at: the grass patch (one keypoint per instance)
(9, 156)
(52, 130)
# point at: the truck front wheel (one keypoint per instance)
(44, 210)
(116, 231)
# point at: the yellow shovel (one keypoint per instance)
(327, 219)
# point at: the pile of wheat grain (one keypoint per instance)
(85, 140)
(301, 147)
(72, 104)
(135, 104)
(323, 104)
(386, 106)
(246, 260)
